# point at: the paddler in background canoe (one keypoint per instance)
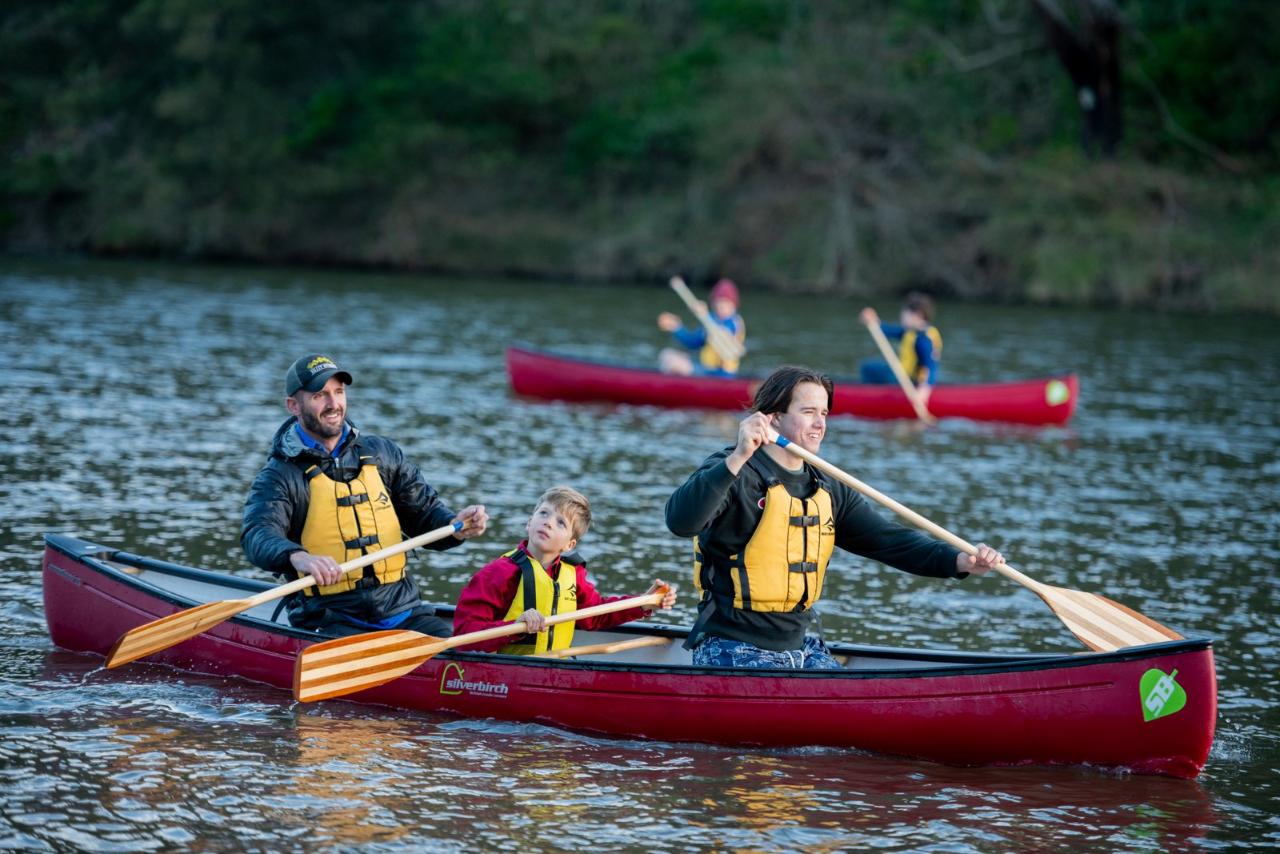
(328, 494)
(765, 524)
(537, 579)
(711, 360)
(919, 345)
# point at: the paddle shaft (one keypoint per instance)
(895, 365)
(725, 344)
(357, 563)
(902, 510)
(607, 647)
(519, 627)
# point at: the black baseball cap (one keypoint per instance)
(311, 372)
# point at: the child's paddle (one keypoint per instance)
(729, 348)
(175, 628)
(346, 665)
(1100, 623)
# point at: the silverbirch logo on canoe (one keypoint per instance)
(453, 681)
(1161, 694)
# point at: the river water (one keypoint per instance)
(139, 399)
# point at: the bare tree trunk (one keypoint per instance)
(1091, 57)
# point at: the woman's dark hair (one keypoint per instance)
(774, 394)
(921, 304)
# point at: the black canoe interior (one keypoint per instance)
(186, 587)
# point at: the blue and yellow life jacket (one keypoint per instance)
(348, 519)
(550, 596)
(907, 353)
(710, 359)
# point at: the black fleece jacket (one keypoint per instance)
(276, 510)
(723, 510)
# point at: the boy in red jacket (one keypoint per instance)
(532, 582)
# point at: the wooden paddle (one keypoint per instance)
(1100, 623)
(175, 628)
(346, 665)
(895, 365)
(729, 348)
(606, 648)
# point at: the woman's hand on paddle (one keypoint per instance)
(474, 520)
(668, 599)
(868, 316)
(753, 431)
(534, 621)
(322, 568)
(983, 562)
(668, 322)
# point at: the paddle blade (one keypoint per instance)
(346, 665)
(1102, 624)
(175, 628)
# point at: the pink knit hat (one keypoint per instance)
(726, 289)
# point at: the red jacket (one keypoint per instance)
(486, 598)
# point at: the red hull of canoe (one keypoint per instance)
(550, 376)
(985, 709)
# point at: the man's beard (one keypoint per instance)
(313, 425)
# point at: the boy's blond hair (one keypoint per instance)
(573, 504)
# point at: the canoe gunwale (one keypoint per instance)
(942, 663)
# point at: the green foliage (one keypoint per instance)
(856, 147)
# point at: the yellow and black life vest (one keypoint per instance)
(347, 520)
(711, 360)
(907, 353)
(549, 595)
(785, 561)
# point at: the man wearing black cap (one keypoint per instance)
(328, 494)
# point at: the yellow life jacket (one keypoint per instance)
(785, 562)
(711, 360)
(549, 595)
(347, 520)
(907, 353)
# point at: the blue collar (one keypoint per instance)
(316, 446)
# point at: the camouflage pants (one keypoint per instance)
(722, 652)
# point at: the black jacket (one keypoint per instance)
(276, 510)
(723, 511)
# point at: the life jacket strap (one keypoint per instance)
(352, 500)
(705, 610)
(361, 542)
(803, 566)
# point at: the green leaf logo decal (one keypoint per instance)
(1056, 393)
(1161, 694)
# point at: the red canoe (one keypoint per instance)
(551, 376)
(1148, 709)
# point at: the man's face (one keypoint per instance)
(805, 421)
(321, 413)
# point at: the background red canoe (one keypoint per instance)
(553, 376)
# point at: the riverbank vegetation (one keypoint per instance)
(861, 148)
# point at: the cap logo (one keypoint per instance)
(320, 362)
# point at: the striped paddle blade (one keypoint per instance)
(1100, 623)
(175, 628)
(347, 665)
